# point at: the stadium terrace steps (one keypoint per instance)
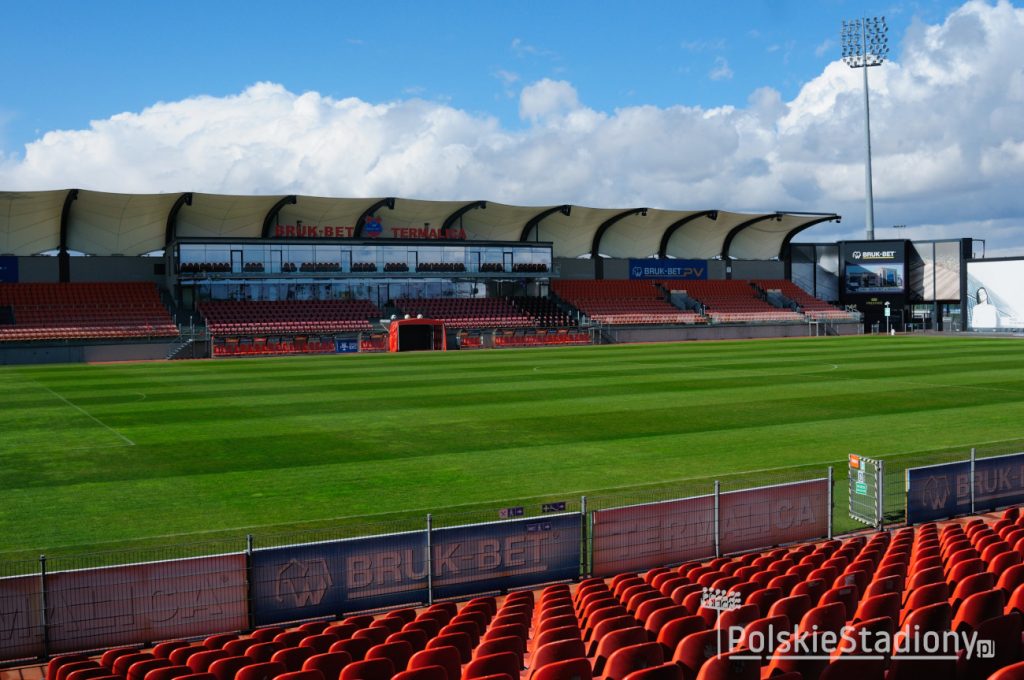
(732, 301)
(622, 302)
(812, 307)
(251, 317)
(963, 578)
(86, 311)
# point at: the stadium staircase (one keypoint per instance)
(966, 577)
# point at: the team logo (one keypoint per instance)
(936, 492)
(373, 226)
(856, 254)
(303, 582)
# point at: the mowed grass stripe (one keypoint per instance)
(337, 436)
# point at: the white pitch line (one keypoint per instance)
(87, 414)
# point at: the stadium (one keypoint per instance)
(506, 335)
(288, 396)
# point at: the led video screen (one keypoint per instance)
(995, 294)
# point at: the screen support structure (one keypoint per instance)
(866, 486)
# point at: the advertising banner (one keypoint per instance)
(21, 623)
(8, 269)
(333, 577)
(995, 294)
(639, 537)
(511, 554)
(942, 491)
(110, 606)
(684, 270)
(772, 515)
(874, 267)
(346, 345)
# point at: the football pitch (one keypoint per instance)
(106, 457)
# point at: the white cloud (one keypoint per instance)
(721, 70)
(547, 98)
(947, 132)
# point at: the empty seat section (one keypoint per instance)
(86, 311)
(812, 307)
(266, 317)
(622, 302)
(732, 301)
(468, 312)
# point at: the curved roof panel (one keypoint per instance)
(637, 236)
(321, 212)
(216, 215)
(703, 237)
(30, 221)
(124, 224)
(763, 239)
(499, 222)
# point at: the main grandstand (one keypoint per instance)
(225, 275)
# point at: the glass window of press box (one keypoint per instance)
(296, 259)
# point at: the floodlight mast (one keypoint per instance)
(866, 44)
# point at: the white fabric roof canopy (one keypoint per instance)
(101, 223)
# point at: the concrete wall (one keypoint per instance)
(721, 332)
(71, 354)
(91, 269)
(758, 269)
(38, 269)
(571, 268)
(45, 269)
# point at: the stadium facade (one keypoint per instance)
(210, 247)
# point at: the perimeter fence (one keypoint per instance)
(140, 595)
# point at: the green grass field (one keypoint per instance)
(106, 457)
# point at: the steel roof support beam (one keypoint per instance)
(595, 245)
(534, 222)
(270, 219)
(389, 203)
(63, 257)
(457, 215)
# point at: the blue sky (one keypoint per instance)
(741, 106)
(77, 61)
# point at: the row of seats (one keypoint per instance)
(204, 267)
(440, 267)
(467, 312)
(543, 310)
(253, 317)
(658, 625)
(70, 311)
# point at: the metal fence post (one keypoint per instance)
(880, 471)
(584, 538)
(249, 590)
(718, 541)
(974, 453)
(430, 559)
(43, 596)
(831, 482)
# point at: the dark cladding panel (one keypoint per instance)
(334, 577)
(501, 555)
